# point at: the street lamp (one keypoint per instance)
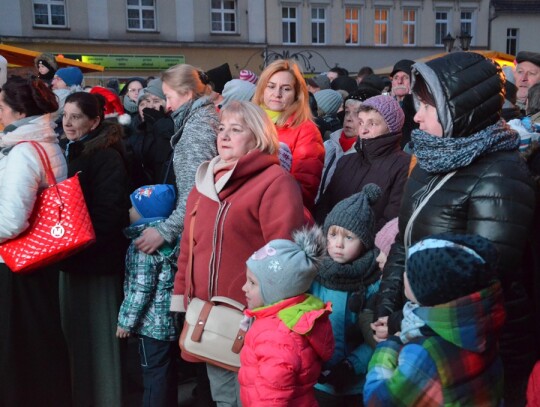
(448, 42)
(465, 40)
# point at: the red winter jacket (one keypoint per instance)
(307, 148)
(283, 353)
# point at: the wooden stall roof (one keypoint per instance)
(24, 57)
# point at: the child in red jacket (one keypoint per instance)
(290, 335)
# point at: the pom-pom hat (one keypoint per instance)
(355, 213)
(441, 268)
(248, 76)
(113, 106)
(286, 268)
(389, 109)
(154, 202)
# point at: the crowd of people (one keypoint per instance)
(381, 233)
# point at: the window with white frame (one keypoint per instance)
(289, 23)
(318, 25)
(223, 16)
(442, 24)
(49, 13)
(141, 15)
(352, 26)
(466, 22)
(512, 40)
(381, 26)
(409, 27)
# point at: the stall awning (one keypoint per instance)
(24, 57)
(500, 57)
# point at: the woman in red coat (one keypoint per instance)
(282, 93)
(242, 199)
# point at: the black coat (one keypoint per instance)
(100, 162)
(379, 161)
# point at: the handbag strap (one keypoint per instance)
(189, 268)
(44, 158)
(408, 229)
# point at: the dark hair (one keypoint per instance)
(365, 70)
(92, 105)
(533, 99)
(340, 71)
(422, 92)
(32, 97)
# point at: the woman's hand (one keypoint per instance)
(122, 333)
(380, 329)
(149, 241)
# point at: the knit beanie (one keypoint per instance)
(154, 202)
(441, 268)
(249, 76)
(355, 214)
(385, 238)
(286, 268)
(237, 89)
(155, 88)
(113, 106)
(70, 75)
(329, 101)
(363, 93)
(319, 81)
(389, 109)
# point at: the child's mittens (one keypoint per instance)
(339, 376)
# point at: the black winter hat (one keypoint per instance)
(345, 83)
(219, 76)
(404, 65)
(355, 214)
(441, 268)
(528, 56)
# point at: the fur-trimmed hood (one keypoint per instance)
(49, 58)
(108, 134)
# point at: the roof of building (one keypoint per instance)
(516, 6)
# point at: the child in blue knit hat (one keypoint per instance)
(348, 278)
(148, 288)
(290, 335)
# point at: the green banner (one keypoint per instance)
(134, 62)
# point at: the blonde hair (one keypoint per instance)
(183, 78)
(299, 109)
(257, 121)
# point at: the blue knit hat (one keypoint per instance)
(70, 75)
(154, 202)
(286, 268)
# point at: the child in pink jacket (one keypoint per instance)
(290, 334)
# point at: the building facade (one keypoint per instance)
(143, 37)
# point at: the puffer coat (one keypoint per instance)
(493, 197)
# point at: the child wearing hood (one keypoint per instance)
(290, 334)
(447, 350)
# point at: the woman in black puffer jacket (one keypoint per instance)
(491, 193)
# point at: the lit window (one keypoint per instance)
(50, 13)
(289, 21)
(352, 26)
(223, 16)
(409, 27)
(381, 26)
(141, 15)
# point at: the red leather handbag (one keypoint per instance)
(60, 224)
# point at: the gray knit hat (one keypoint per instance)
(355, 214)
(238, 89)
(389, 109)
(328, 100)
(155, 88)
(287, 268)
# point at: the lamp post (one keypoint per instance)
(448, 42)
(465, 40)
